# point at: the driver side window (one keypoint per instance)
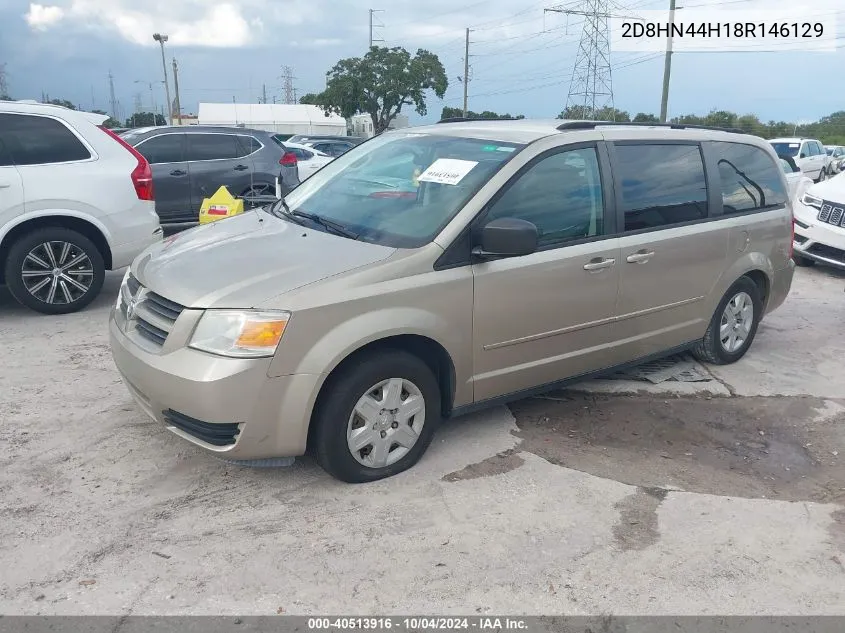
(561, 195)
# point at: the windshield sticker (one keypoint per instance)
(497, 148)
(447, 171)
(794, 146)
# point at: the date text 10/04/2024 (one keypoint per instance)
(417, 623)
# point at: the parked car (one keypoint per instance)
(808, 153)
(470, 264)
(329, 145)
(796, 181)
(837, 158)
(820, 224)
(75, 201)
(308, 159)
(190, 163)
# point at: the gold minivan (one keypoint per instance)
(436, 270)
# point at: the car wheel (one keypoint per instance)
(733, 326)
(822, 175)
(258, 190)
(800, 260)
(378, 417)
(54, 270)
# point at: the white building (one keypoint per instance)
(272, 117)
(362, 125)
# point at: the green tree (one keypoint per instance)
(380, 84)
(452, 113)
(577, 112)
(643, 117)
(110, 122)
(62, 102)
(144, 119)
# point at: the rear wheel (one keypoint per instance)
(822, 175)
(54, 270)
(733, 326)
(378, 417)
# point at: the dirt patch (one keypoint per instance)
(637, 526)
(777, 448)
(499, 464)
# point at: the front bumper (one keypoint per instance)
(272, 414)
(820, 241)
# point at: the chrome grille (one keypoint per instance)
(148, 314)
(832, 213)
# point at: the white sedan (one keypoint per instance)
(308, 159)
(820, 224)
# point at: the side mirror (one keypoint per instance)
(507, 237)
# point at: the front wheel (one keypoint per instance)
(733, 326)
(54, 270)
(377, 418)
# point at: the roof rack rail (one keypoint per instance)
(461, 119)
(590, 125)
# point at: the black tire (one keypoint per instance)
(822, 175)
(343, 392)
(710, 349)
(257, 189)
(800, 260)
(81, 244)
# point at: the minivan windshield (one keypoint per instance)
(401, 188)
(787, 149)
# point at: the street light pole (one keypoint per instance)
(161, 39)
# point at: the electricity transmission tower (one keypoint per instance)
(375, 25)
(591, 87)
(112, 100)
(290, 91)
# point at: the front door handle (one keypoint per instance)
(599, 264)
(178, 172)
(640, 257)
(4, 185)
(241, 168)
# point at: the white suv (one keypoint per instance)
(809, 153)
(75, 201)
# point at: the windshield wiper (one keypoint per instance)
(331, 225)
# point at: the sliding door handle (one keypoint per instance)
(599, 264)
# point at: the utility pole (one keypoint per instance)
(112, 100)
(161, 39)
(264, 93)
(178, 104)
(591, 86)
(372, 25)
(667, 66)
(466, 74)
(4, 86)
(93, 101)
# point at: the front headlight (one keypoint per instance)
(811, 201)
(120, 290)
(240, 333)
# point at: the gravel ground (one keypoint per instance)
(723, 497)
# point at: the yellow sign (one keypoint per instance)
(221, 205)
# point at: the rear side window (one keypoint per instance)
(166, 148)
(39, 140)
(661, 185)
(247, 145)
(749, 178)
(214, 147)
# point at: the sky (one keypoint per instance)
(521, 57)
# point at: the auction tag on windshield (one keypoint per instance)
(447, 171)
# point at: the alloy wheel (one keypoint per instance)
(57, 272)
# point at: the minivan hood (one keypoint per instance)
(832, 190)
(241, 261)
